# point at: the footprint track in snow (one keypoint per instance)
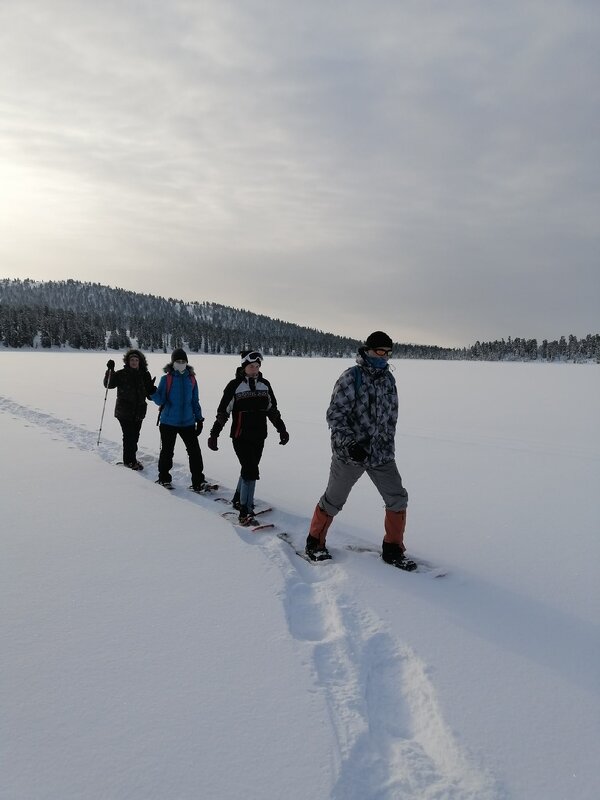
(392, 739)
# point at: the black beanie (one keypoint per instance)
(378, 339)
(179, 355)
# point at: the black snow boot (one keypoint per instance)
(202, 488)
(245, 517)
(316, 551)
(394, 555)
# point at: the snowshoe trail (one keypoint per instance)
(393, 742)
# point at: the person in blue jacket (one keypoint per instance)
(180, 413)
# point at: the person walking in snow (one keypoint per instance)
(362, 417)
(250, 400)
(180, 414)
(133, 384)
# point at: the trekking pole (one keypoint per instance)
(103, 407)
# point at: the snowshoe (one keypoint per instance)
(165, 484)
(248, 521)
(204, 488)
(246, 517)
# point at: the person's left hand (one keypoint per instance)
(199, 426)
(357, 452)
(284, 437)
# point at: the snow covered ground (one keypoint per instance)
(151, 651)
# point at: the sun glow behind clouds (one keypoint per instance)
(41, 203)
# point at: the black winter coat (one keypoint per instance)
(133, 387)
(250, 402)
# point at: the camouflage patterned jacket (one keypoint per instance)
(367, 416)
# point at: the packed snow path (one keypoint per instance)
(391, 739)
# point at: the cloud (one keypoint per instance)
(433, 167)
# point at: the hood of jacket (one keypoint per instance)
(135, 352)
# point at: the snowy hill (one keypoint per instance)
(152, 650)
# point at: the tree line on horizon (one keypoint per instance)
(90, 316)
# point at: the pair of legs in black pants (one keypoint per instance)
(168, 436)
(131, 434)
(249, 454)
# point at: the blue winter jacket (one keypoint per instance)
(181, 408)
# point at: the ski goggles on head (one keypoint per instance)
(252, 357)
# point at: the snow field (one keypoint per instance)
(357, 681)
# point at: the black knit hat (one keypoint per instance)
(378, 339)
(179, 355)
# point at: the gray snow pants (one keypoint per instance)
(342, 478)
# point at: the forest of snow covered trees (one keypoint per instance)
(90, 316)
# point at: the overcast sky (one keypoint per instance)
(429, 168)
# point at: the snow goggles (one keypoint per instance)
(382, 351)
(252, 357)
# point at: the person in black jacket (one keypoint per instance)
(133, 384)
(250, 400)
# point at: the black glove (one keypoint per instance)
(212, 442)
(110, 364)
(357, 452)
(284, 437)
(152, 387)
(199, 426)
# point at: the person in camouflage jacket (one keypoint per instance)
(362, 417)
(364, 411)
